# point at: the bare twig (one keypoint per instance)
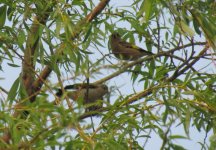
(2, 89)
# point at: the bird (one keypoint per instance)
(124, 50)
(89, 93)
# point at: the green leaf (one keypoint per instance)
(3, 12)
(137, 71)
(166, 36)
(186, 29)
(21, 38)
(78, 2)
(177, 147)
(212, 140)
(146, 8)
(10, 12)
(207, 24)
(152, 69)
(196, 27)
(13, 91)
(88, 33)
(13, 65)
(187, 121)
(58, 26)
(177, 137)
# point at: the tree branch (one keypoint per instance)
(47, 70)
(128, 65)
(31, 46)
(175, 75)
(149, 90)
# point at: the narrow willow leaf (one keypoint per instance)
(21, 38)
(88, 33)
(146, 9)
(3, 10)
(187, 121)
(13, 65)
(13, 91)
(186, 29)
(207, 25)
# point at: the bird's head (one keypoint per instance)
(59, 93)
(115, 35)
(104, 87)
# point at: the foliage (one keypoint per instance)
(56, 43)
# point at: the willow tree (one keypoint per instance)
(59, 43)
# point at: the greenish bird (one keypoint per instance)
(124, 50)
(89, 93)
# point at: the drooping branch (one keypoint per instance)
(47, 70)
(172, 78)
(31, 47)
(128, 65)
(148, 91)
(97, 10)
(179, 72)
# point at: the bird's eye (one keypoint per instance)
(115, 35)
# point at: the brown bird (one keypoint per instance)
(89, 93)
(124, 50)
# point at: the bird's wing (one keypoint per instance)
(80, 85)
(125, 44)
(133, 46)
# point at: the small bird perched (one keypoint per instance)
(89, 93)
(124, 50)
